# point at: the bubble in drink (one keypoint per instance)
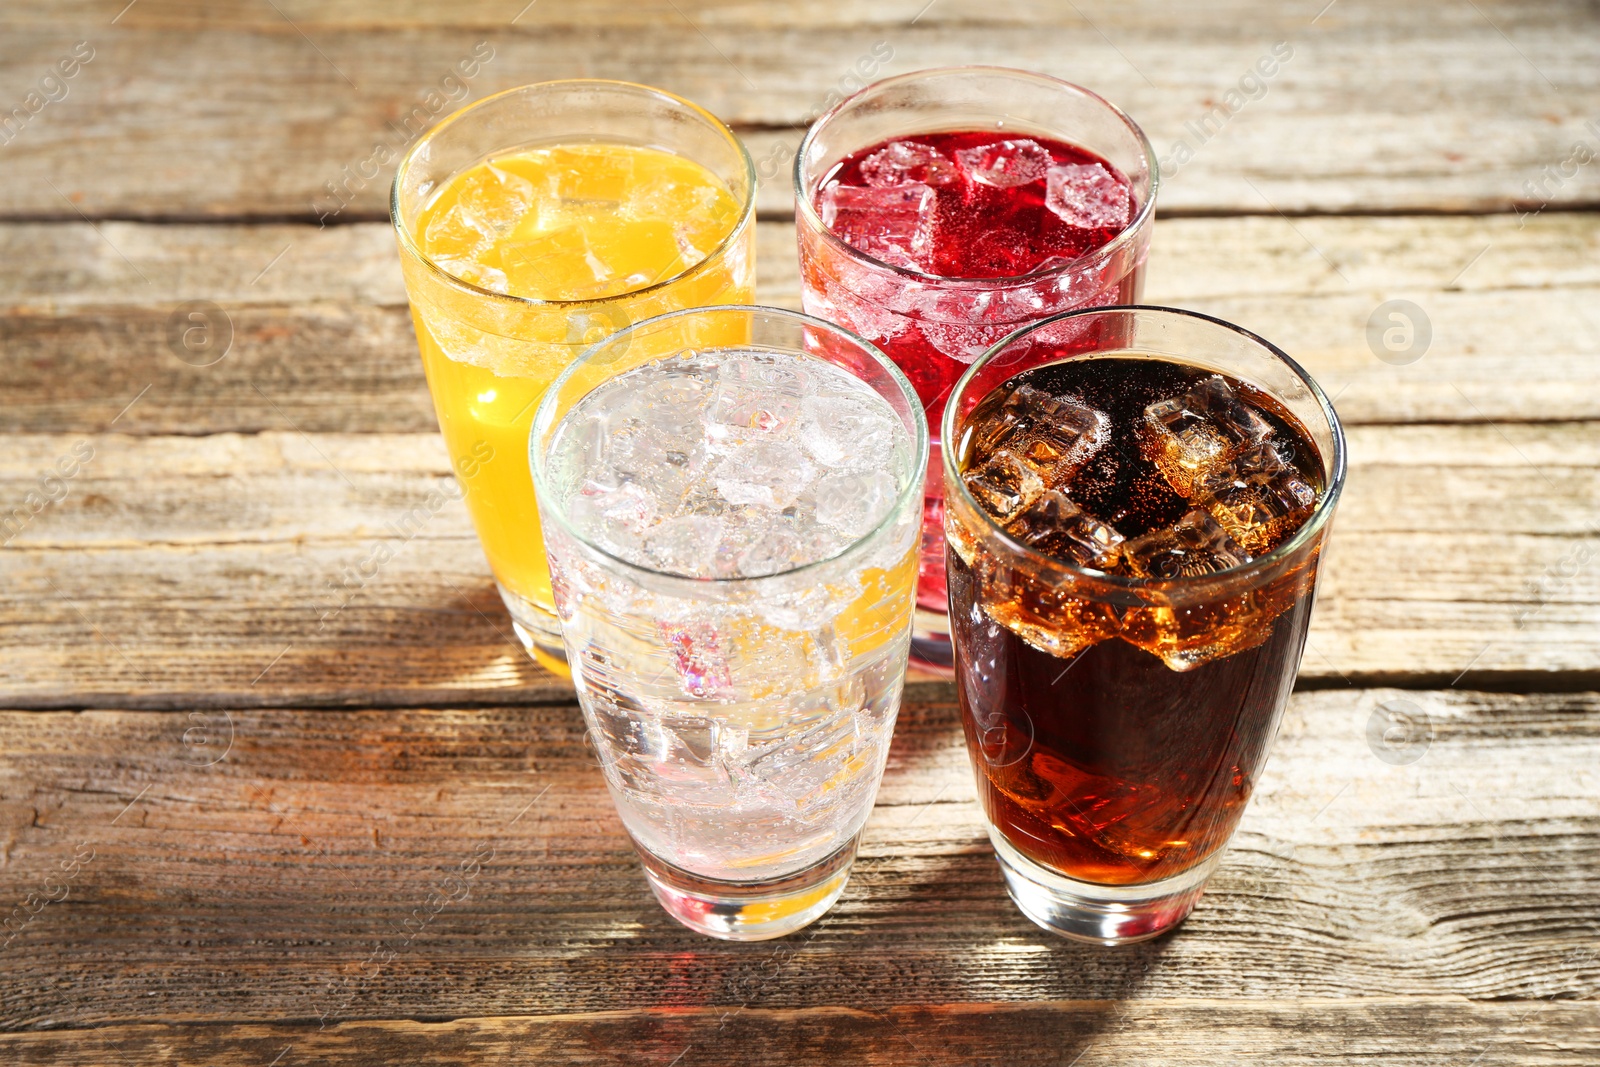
(746, 722)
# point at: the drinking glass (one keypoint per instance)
(935, 326)
(490, 356)
(742, 723)
(1116, 725)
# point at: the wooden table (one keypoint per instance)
(234, 788)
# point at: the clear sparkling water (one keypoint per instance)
(742, 723)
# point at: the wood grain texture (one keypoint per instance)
(266, 793)
(248, 115)
(212, 570)
(1415, 1032)
(321, 339)
(285, 866)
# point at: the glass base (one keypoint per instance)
(749, 911)
(930, 642)
(1099, 914)
(538, 630)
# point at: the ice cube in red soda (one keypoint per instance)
(1001, 205)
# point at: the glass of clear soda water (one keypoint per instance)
(731, 503)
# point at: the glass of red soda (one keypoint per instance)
(940, 210)
(1137, 501)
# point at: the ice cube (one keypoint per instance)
(1122, 817)
(1006, 164)
(854, 502)
(838, 304)
(1063, 432)
(770, 473)
(907, 162)
(739, 414)
(1216, 400)
(470, 270)
(688, 239)
(448, 235)
(613, 512)
(1194, 545)
(773, 550)
(685, 545)
(590, 176)
(493, 201)
(1192, 438)
(659, 463)
(756, 370)
(1056, 527)
(753, 400)
(1056, 436)
(558, 265)
(692, 745)
(895, 220)
(662, 197)
(847, 432)
(672, 404)
(1257, 509)
(696, 651)
(1004, 485)
(1087, 195)
(998, 252)
(964, 342)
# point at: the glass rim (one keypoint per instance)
(908, 493)
(806, 213)
(1302, 537)
(409, 243)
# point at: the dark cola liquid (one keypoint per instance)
(1119, 745)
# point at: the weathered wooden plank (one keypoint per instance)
(1420, 1032)
(321, 340)
(218, 569)
(269, 873)
(1457, 107)
(1216, 20)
